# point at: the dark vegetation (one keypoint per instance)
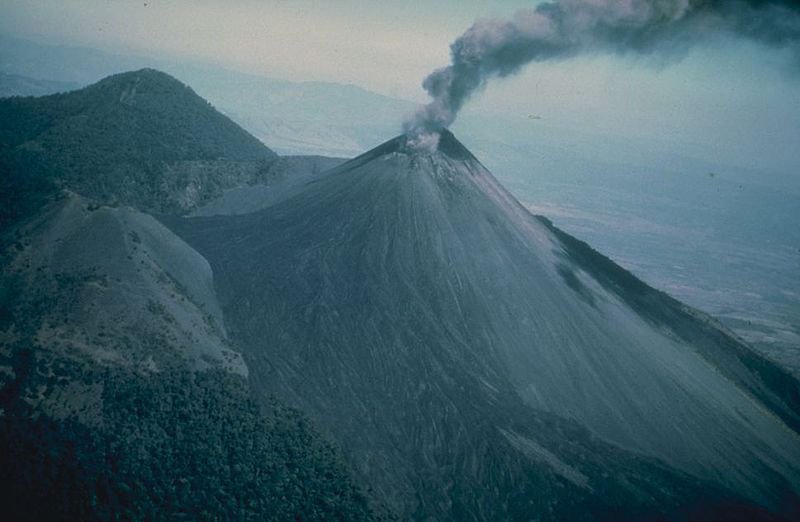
(86, 431)
(140, 138)
(177, 445)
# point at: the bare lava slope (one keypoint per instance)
(475, 362)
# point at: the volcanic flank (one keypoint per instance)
(475, 362)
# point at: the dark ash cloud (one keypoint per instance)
(565, 28)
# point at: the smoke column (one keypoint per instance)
(564, 28)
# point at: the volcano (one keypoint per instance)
(474, 362)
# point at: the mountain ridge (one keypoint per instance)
(140, 138)
(121, 394)
(418, 312)
(473, 361)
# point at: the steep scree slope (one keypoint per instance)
(477, 363)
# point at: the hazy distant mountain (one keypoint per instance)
(475, 362)
(302, 117)
(291, 117)
(140, 138)
(15, 85)
(81, 65)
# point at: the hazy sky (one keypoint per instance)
(386, 46)
(734, 99)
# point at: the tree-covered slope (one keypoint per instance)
(140, 138)
(179, 443)
(121, 396)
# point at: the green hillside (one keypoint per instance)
(121, 396)
(189, 444)
(140, 138)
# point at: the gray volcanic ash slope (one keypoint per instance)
(477, 363)
(113, 286)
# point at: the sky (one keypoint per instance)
(725, 100)
(378, 45)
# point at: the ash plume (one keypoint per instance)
(564, 28)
